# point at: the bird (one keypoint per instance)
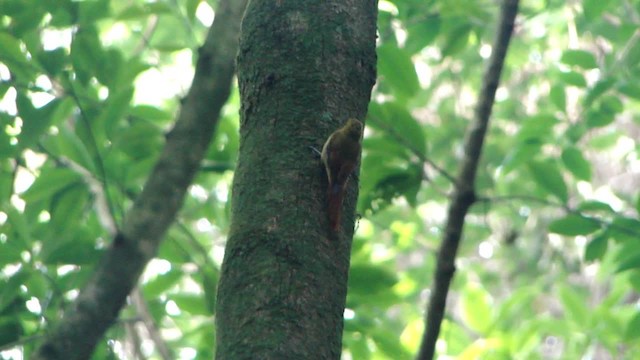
(340, 155)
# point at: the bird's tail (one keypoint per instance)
(336, 192)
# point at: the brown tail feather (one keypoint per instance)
(335, 206)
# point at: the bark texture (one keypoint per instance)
(99, 302)
(304, 67)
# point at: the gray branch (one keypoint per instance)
(464, 195)
(97, 306)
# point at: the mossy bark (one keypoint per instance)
(304, 67)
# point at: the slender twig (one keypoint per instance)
(98, 158)
(132, 342)
(97, 187)
(146, 34)
(464, 192)
(416, 152)
(143, 311)
(201, 250)
(567, 209)
(20, 342)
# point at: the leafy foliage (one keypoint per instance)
(550, 263)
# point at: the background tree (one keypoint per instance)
(548, 267)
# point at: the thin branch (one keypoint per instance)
(98, 189)
(567, 209)
(530, 198)
(464, 192)
(146, 34)
(143, 311)
(132, 341)
(97, 306)
(20, 342)
(98, 158)
(416, 152)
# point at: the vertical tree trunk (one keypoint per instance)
(304, 67)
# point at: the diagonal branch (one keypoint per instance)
(150, 325)
(464, 193)
(99, 302)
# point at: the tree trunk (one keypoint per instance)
(304, 67)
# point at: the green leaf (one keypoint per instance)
(634, 279)
(6, 180)
(11, 50)
(477, 308)
(49, 182)
(150, 113)
(63, 13)
(611, 104)
(11, 251)
(210, 278)
(26, 16)
(21, 228)
(629, 262)
(133, 11)
(62, 111)
(67, 144)
(576, 163)
(558, 97)
(604, 141)
(93, 10)
(597, 247)
(575, 132)
(396, 182)
(593, 9)
(116, 106)
(142, 140)
(35, 121)
(629, 89)
(396, 68)
(521, 154)
(67, 207)
(10, 289)
(110, 70)
(574, 306)
(548, 176)
(572, 225)
(191, 303)
(605, 113)
(600, 88)
(10, 329)
(389, 344)
(537, 127)
(633, 328)
(422, 33)
(192, 6)
(161, 283)
(402, 126)
(358, 348)
(370, 279)
(580, 58)
(53, 61)
(594, 205)
(572, 78)
(76, 249)
(86, 53)
(456, 40)
(625, 229)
